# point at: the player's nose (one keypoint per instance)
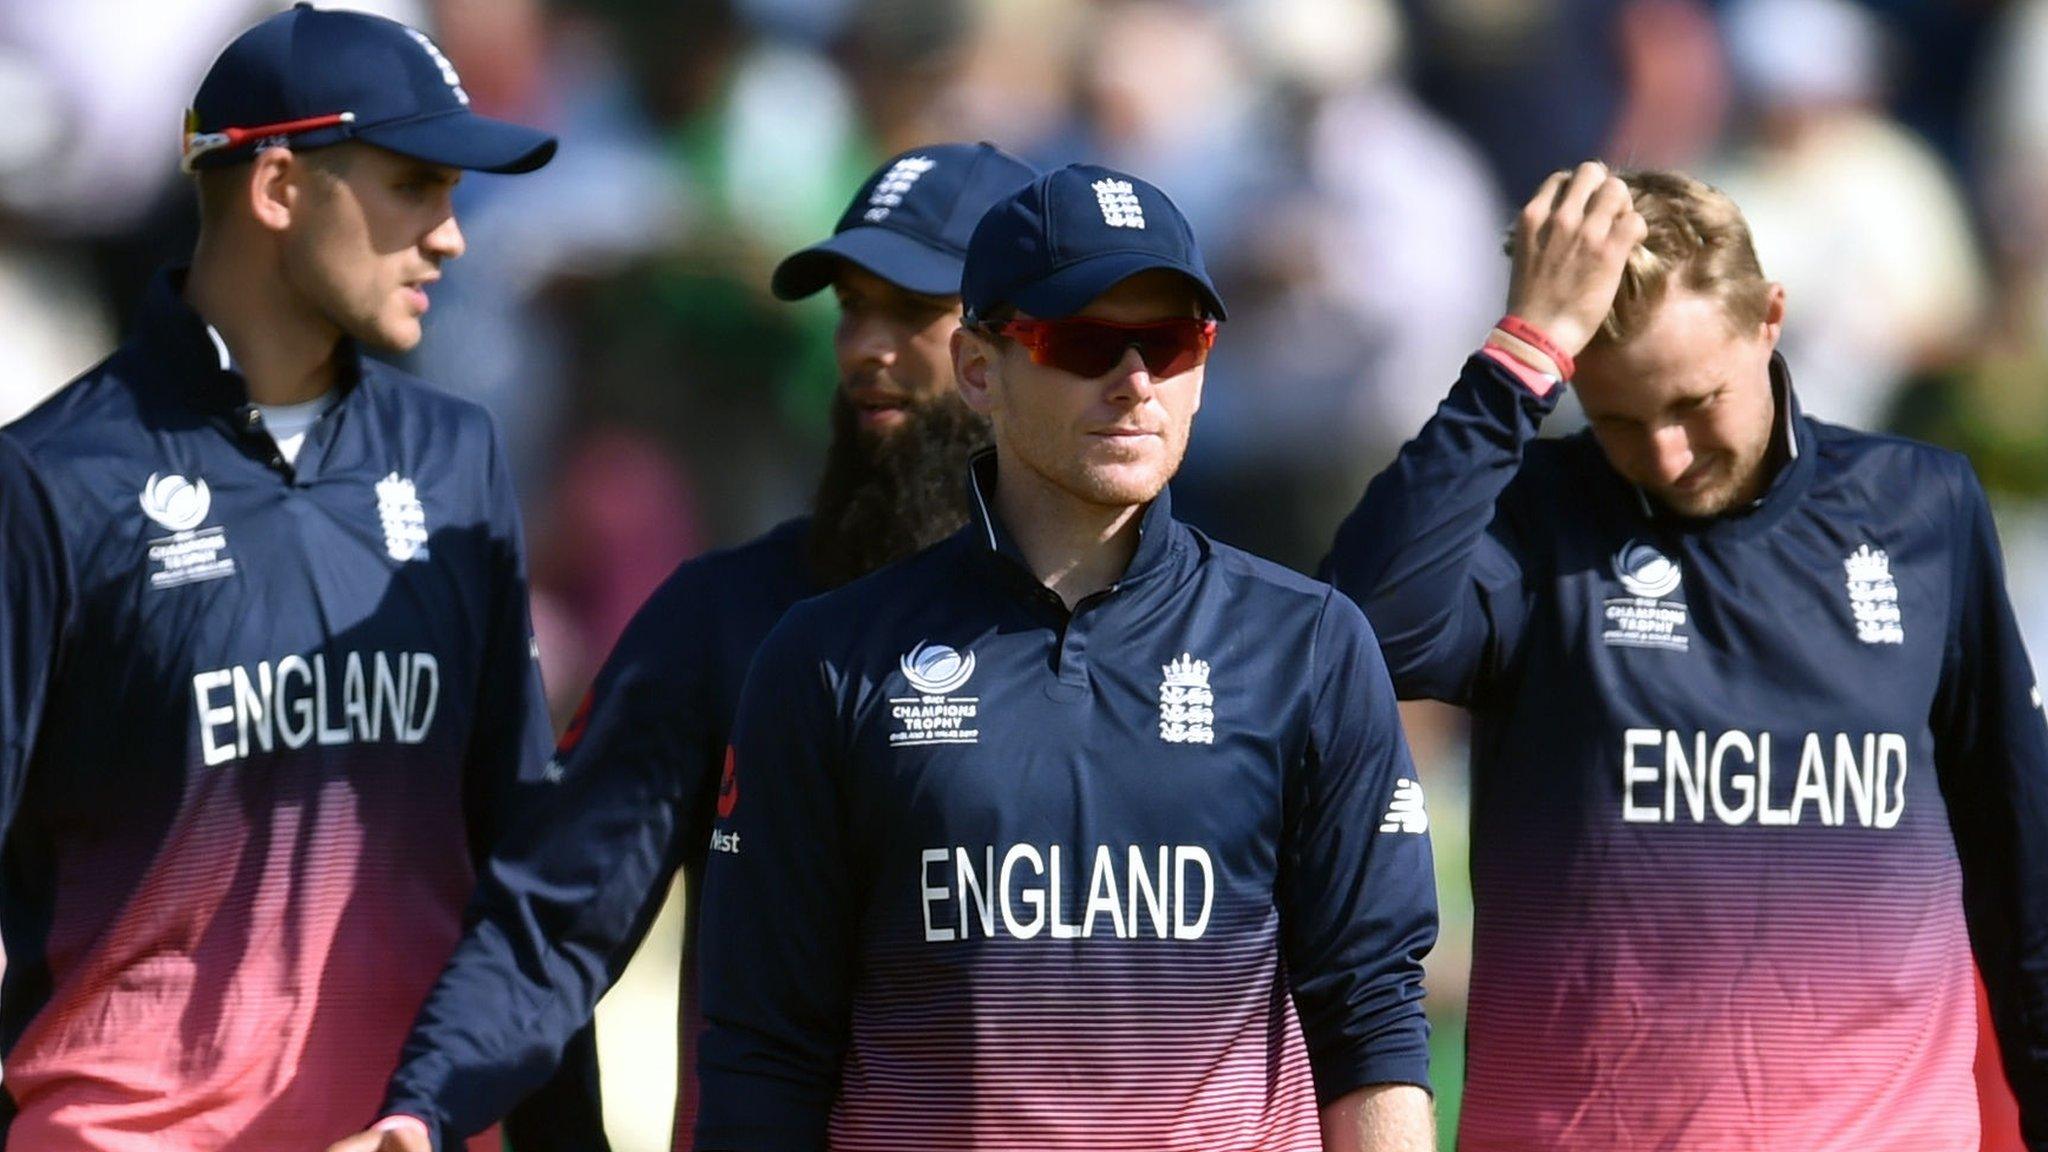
(1670, 453)
(1130, 382)
(445, 240)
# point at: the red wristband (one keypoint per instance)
(1533, 336)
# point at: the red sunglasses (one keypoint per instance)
(1094, 348)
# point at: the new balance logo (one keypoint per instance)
(1406, 813)
(1119, 203)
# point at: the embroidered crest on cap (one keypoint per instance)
(894, 185)
(1119, 202)
(440, 61)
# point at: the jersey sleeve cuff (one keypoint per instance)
(1408, 1064)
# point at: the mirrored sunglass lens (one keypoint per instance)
(1085, 351)
(1092, 350)
(1166, 353)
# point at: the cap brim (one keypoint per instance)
(465, 140)
(902, 260)
(1070, 289)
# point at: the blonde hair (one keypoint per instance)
(1698, 236)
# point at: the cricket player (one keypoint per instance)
(570, 893)
(1758, 756)
(1078, 830)
(295, 696)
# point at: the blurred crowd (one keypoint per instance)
(1350, 166)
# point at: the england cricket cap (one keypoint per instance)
(910, 221)
(310, 77)
(1071, 235)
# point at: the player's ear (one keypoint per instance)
(974, 368)
(1774, 313)
(273, 190)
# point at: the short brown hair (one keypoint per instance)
(1696, 234)
(220, 188)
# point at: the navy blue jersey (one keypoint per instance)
(987, 874)
(294, 707)
(568, 893)
(35, 607)
(1746, 790)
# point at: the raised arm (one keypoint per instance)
(1434, 552)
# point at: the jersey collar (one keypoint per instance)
(195, 360)
(1159, 534)
(1791, 447)
(192, 367)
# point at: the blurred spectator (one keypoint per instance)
(1536, 83)
(1363, 269)
(1165, 91)
(610, 198)
(618, 519)
(1851, 212)
(1677, 83)
(53, 323)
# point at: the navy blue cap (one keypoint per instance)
(1071, 235)
(386, 83)
(910, 221)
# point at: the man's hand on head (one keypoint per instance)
(1570, 246)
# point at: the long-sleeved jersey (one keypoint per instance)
(294, 704)
(569, 891)
(1746, 790)
(986, 874)
(35, 605)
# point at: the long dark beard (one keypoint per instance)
(884, 497)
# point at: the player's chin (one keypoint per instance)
(397, 331)
(1699, 503)
(1125, 482)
